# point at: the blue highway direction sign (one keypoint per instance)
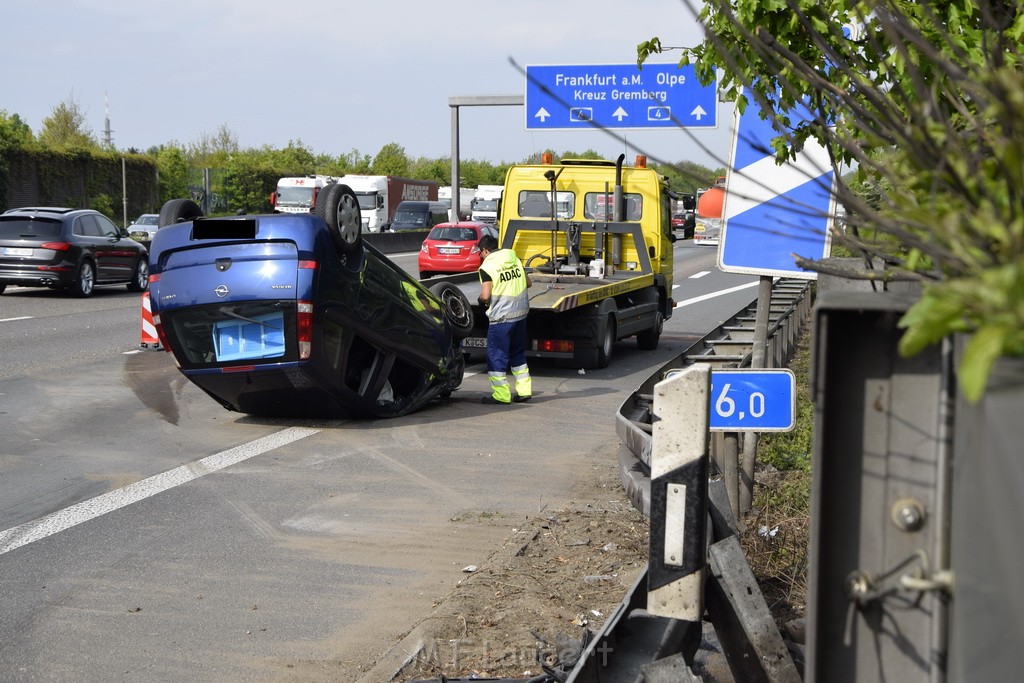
(620, 96)
(752, 401)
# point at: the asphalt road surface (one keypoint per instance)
(147, 533)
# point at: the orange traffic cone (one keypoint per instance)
(149, 338)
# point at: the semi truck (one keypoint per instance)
(380, 195)
(298, 194)
(596, 237)
(485, 203)
(465, 206)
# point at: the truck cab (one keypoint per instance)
(484, 207)
(298, 194)
(580, 225)
(597, 239)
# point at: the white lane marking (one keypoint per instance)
(700, 274)
(712, 295)
(23, 317)
(38, 529)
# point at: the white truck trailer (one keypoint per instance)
(380, 195)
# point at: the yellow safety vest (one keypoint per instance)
(509, 300)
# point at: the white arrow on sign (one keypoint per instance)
(619, 114)
(542, 114)
(699, 112)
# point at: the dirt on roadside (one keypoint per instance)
(560, 571)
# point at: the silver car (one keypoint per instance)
(144, 227)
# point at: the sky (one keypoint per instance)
(335, 76)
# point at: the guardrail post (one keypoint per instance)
(679, 494)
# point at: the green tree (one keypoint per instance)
(438, 170)
(391, 160)
(926, 99)
(172, 171)
(355, 162)
(13, 131)
(213, 150)
(252, 177)
(65, 127)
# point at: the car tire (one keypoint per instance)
(424, 274)
(606, 342)
(140, 278)
(85, 280)
(338, 206)
(456, 306)
(178, 211)
(648, 339)
(3, 286)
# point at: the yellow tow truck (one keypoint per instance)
(596, 237)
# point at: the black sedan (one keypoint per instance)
(73, 249)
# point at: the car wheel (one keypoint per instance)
(607, 342)
(338, 206)
(84, 282)
(424, 274)
(648, 339)
(3, 286)
(140, 280)
(457, 308)
(178, 211)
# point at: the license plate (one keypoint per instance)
(17, 251)
(475, 342)
(448, 250)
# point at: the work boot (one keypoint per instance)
(521, 399)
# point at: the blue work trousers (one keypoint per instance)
(506, 345)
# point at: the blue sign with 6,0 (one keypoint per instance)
(752, 401)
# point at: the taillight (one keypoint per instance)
(304, 327)
(56, 246)
(423, 248)
(154, 277)
(553, 345)
(273, 199)
(307, 265)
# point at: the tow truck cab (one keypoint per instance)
(597, 238)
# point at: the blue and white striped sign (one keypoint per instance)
(772, 212)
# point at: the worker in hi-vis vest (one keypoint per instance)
(503, 285)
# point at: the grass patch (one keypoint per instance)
(778, 525)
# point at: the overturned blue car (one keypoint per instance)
(295, 315)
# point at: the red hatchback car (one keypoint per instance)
(451, 248)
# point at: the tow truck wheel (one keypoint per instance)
(457, 308)
(607, 342)
(338, 206)
(648, 339)
(178, 211)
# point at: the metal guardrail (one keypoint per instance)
(730, 345)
